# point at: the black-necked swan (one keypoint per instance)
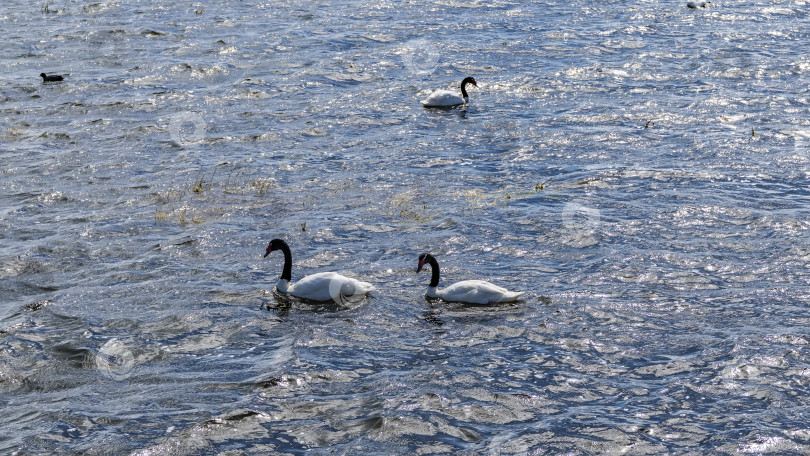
(323, 286)
(448, 98)
(469, 291)
(51, 78)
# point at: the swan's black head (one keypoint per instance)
(275, 244)
(42, 75)
(467, 80)
(423, 259)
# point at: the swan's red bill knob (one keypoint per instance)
(276, 244)
(421, 265)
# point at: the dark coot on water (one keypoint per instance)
(693, 5)
(51, 78)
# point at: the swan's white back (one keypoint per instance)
(474, 292)
(443, 98)
(324, 286)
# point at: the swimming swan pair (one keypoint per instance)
(325, 286)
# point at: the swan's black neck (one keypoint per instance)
(464, 83)
(278, 244)
(434, 270)
(286, 273)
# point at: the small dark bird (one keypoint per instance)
(51, 78)
(693, 5)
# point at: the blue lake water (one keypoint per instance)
(639, 169)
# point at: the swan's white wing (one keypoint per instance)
(443, 98)
(328, 286)
(477, 292)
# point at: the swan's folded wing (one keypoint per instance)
(326, 286)
(316, 286)
(443, 98)
(477, 292)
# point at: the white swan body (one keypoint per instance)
(444, 99)
(474, 292)
(448, 98)
(323, 286)
(469, 291)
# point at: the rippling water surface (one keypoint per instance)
(639, 169)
